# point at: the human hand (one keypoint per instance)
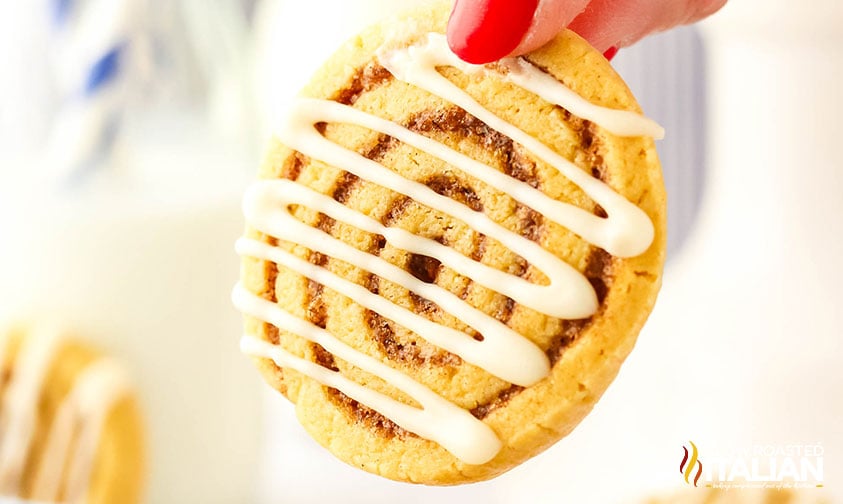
(481, 31)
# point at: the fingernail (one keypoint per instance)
(482, 31)
(610, 52)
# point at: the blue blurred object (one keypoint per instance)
(104, 70)
(61, 9)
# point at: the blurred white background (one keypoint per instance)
(119, 206)
(127, 137)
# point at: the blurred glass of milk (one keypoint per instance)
(137, 254)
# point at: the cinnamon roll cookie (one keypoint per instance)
(70, 428)
(445, 264)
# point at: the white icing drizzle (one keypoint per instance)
(603, 232)
(568, 295)
(619, 122)
(503, 352)
(435, 53)
(626, 232)
(438, 419)
(80, 416)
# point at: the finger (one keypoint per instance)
(610, 24)
(552, 16)
(480, 31)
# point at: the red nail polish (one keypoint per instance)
(610, 53)
(482, 31)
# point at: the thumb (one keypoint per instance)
(481, 31)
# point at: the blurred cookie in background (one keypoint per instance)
(744, 496)
(70, 426)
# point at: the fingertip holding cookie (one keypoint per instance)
(488, 30)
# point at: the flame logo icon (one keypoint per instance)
(687, 466)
